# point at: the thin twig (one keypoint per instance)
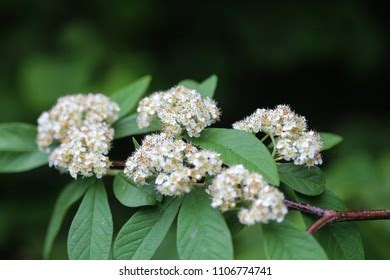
(328, 216)
(273, 145)
(306, 208)
(264, 138)
(118, 164)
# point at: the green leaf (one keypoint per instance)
(239, 147)
(143, 233)
(202, 233)
(131, 195)
(341, 241)
(309, 181)
(90, 234)
(330, 140)
(233, 223)
(69, 195)
(135, 143)
(190, 84)
(21, 161)
(208, 86)
(18, 150)
(17, 137)
(285, 242)
(128, 126)
(205, 88)
(128, 97)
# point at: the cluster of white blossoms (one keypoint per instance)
(305, 149)
(236, 185)
(178, 108)
(268, 206)
(175, 164)
(281, 121)
(293, 140)
(77, 133)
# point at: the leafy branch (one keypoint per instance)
(91, 235)
(327, 216)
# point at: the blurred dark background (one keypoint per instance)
(328, 59)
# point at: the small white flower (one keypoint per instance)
(176, 164)
(268, 206)
(205, 163)
(81, 125)
(175, 183)
(253, 123)
(293, 141)
(177, 109)
(285, 148)
(303, 150)
(281, 121)
(147, 109)
(236, 185)
(158, 153)
(252, 185)
(308, 145)
(225, 188)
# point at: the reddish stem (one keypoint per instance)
(118, 164)
(328, 216)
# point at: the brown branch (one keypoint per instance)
(306, 208)
(118, 164)
(328, 216)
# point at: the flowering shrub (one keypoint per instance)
(214, 180)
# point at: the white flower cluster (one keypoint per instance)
(177, 109)
(77, 133)
(281, 121)
(304, 149)
(176, 164)
(268, 206)
(293, 140)
(236, 184)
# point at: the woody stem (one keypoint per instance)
(118, 164)
(328, 216)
